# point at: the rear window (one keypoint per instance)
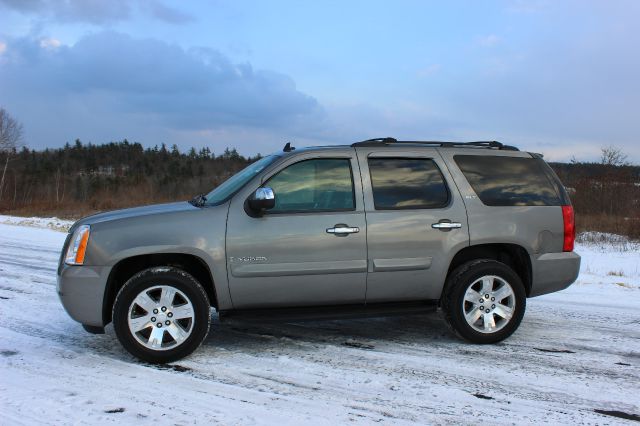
(407, 183)
(509, 181)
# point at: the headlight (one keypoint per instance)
(78, 246)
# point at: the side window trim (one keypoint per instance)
(378, 156)
(318, 211)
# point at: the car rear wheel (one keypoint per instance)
(161, 314)
(484, 301)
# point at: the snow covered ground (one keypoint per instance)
(576, 351)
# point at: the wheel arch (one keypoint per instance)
(126, 268)
(513, 255)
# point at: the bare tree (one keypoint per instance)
(615, 179)
(10, 138)
(613, 156)
(10, 131)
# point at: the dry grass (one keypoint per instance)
(619, 225)
(76, 210)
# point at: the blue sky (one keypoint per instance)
(557, 77)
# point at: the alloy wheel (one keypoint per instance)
(161, 317)
(489, 304)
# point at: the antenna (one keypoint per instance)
(288, 147)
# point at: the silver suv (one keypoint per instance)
(378, 227)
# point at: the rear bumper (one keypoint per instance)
(81, 291)
(553, 272)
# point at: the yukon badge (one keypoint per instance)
(247, 259)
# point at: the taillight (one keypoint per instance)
(569, 228)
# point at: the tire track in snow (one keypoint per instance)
(401, 370)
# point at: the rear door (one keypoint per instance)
(416, 222)
(310, 249)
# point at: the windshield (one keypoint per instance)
(232, 185)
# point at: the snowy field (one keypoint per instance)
(575, 359)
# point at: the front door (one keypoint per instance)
(416, 222)
(310, 249)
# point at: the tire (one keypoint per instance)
(484, 280)
(155, 335)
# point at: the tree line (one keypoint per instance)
(605, 194)
(82, 178)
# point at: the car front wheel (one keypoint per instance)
(161, 314)
(484, 301)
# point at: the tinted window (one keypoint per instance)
(314, 185)
(508, 181)
(232, 185)
(407, 183)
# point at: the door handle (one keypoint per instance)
(342, 230)
(445, 226)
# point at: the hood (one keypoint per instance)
(153, 209)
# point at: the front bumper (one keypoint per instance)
(553, 272)
(81, 290)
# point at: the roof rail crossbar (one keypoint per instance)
(444, 144)
(380, 140)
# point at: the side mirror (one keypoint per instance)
(262, 199)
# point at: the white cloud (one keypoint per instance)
(3, 47)
(50, 43)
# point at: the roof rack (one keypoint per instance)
(479, 144)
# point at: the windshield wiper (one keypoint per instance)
(199, 200)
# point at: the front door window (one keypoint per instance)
(317, 185)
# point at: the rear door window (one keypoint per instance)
(407, 183)
(508, 181)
